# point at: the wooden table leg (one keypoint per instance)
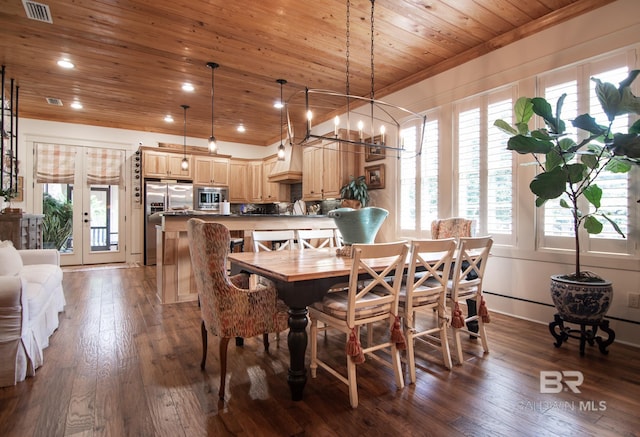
(297, 341)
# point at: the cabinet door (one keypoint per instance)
(312, 171)
(273, 191)
(332, 169)
(175, 167)
(255, 181)
(239, 181)
(154, 164)
(220, 171)
(211, 171)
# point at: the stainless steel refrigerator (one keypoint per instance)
(160, 197)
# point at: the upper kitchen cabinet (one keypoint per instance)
(238, 181)
(165, 165)
(326, 167)
(211, 170)
(255, 181)
(273, 191)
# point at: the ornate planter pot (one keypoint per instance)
(359, 225)
(581, 302)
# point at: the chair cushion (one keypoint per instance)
(10, 259)
(335, 305)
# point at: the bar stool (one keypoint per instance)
(239, 242)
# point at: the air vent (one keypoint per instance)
(37, 11)
(54, 101)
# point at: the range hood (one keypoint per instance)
(288, 171)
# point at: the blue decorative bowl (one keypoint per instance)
(359, 225)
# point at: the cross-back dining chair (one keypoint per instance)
(231, 306)
(375, 303)
(472, 254)
(277, 240)
(316, 238)
(426, 293)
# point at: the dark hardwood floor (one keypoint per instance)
(121, 364)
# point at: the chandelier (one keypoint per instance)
(359, 120)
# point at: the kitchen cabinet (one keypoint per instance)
(165, 165)
(273, 191)
(326, 167)
(238, 181)
(255, 181)
(211, 170)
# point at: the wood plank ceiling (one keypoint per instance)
(133, 56)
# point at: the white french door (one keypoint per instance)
(95, 234)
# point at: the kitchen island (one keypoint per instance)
(175, 279)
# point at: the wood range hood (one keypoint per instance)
(288, 171)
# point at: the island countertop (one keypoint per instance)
(177, 221)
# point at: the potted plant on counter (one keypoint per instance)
(8, 194)
(355, 193)
(568, 170)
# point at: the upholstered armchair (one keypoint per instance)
(236, 306)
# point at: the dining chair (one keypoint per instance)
(472, 254)
(231, 306)
(278, 240)
(316, 238)
(426, 293)
(451, 227)
(349, 310)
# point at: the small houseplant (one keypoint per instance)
(570, 168)
(355, 189)
(8, 194)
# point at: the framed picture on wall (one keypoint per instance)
(376, 151)
(374, 176)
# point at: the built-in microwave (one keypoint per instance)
(210, 198)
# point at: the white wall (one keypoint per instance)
(519, 272)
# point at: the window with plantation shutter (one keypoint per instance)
(418, 172)
(484, 165)
(557, 229)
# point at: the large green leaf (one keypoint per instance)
(552, 160)
(588, 123)
(550, 184)
(592, 225)
(542, 108)
(615, 226)
(593, 193)
(576, 172)
(523, 110)
(523, 144)
(609, 98)
(626, 145)
(505, 127)
(618, 165)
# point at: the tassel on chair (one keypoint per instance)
(354, 349)
(483, 311)
(457, 320)
(397, 336)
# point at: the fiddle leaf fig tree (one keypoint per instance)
(571, 168)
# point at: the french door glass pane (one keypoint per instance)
(57, 207)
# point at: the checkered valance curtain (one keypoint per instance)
(55, 163)
(103, 166)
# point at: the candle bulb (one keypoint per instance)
(309, 117)
(360, 127)
(336, 122)
(382, 131)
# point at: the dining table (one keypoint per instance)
(302, 277)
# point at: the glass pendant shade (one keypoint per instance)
(213, 146)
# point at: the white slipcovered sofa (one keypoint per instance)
(31, 297)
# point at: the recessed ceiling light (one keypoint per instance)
(168, 119)
(278, 105)
(76, 105)
(65, 63)
(241, 128)
(187, 87)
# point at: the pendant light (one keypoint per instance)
(185, 161)
(281, 146)
(213, 147)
